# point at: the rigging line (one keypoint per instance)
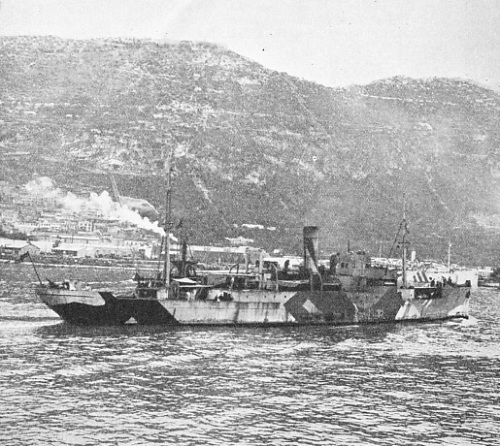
(396, 238)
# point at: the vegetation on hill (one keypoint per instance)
(256, 146)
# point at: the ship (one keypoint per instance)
(346, 290)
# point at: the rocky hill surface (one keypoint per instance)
(253, 146)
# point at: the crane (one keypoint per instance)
(116, 193)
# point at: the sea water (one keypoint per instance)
(390, 384)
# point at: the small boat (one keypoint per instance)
(345, 291)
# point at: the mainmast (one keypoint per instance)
(168, 218)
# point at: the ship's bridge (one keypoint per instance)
(350, 263)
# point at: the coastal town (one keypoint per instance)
(52, 226)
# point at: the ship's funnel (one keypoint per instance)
(311, 236)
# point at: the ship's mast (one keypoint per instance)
(405, 284)
(168, 218)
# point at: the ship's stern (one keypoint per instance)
(434, 303)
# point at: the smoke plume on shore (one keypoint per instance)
(95, 205)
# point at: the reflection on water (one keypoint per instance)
(424, 384)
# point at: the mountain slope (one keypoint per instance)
(257, 146)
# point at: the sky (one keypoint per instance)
(333, 42)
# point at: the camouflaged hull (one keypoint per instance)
(259, 307)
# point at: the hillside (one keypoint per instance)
(256, 146)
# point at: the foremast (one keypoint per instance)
(404, 242)
(168, 218)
